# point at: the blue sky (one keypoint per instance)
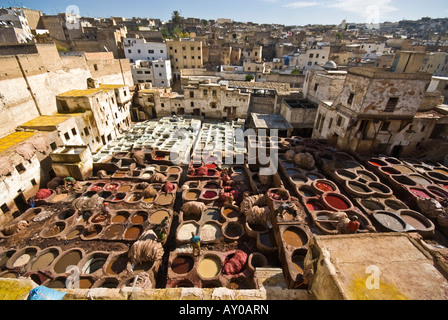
(288, 12)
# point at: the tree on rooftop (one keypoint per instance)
(175, 17)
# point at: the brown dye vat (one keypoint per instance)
(117, 265)
(182, 264)
(295, 237)
(85, 283)
(158, 216)
(113, 231)
(143, 267)
(150, 199)
(139, 217)
(58, 283)
(133, 233)
(173, 177)
(372, 205)
(173, 170)
(120, 217)
(67, 259)
(44, 260)
(164, 199)
(394, 204)
(92, 232)
(124, 188)
(66, 214)
(55, 229)
(95, 263)
(298, 262)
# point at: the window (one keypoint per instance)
(205, 92)
(199, 57)
(192, 48)
(20, 168)
(86, 131)
(192, 57)
(311, 55)
(160, 74)
(33, 182)
(67, 136)
(317, 55)
(147, 72)
(191, 104)
(385, 126)
(74, 132)
(350, 98)
(139, 72)
(391, 105)
(53, 146)
(213, 105)
(150, 51)
(162, 105)
(95, 66)
(184, 48)
(139, 51)
(191, 94)
(130, 51)
(214, 92)
(4, 208)
(316, 86)
(339, 121)
(330, 123)
(310, 63)
(156, 65)
(161, 51)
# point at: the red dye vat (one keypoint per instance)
(314, 206)
(420, 193)
(336, 202)
(375, 163)
(324, 186)
(209, 194)
(96, 188)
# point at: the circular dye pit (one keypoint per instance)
(209, 194)
(314, 205)
(21, 258)
(298, 260)
(437, 175)
(139, 217)
(54, 229)
(359, 187)
(133, 232)
(120, 216)
(94, 263)
(164, 199)
(192, 195)
(119, 197)
(389, 221)
(210, 231)
(185, 231)
(379, 188)
(420, 193)
(438, 191)
(117, 265)
(209, 267)
(69, 258)
(323, 220)
(346, 175)
(295, 237)
(158, 216)
(366, 175)
(57, 283)
(211, 214)
(390, 170)
(173, 170)
(404, 180)
(267, 239)
(64, 215)
(113, 231)
(233, 230)
(324, 186)
(182, 264)
(377, 163)
(44, 259)
(403, 169)
(299, 179)
(92, 232)
(336, 201)
(135, 197)
(230, 213)
(395, 204)
(415, 219)
(4, 257)
(84, 283)
(419, 179)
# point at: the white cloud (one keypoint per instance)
(361, 7)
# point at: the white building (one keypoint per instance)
(156, 72)
(15, 19)
(311, 58)
(138, 49)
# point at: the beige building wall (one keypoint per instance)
(185, 54)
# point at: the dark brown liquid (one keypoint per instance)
(182, 264)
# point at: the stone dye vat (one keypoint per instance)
(209, 266)
(93, 263)
(388, 222)
(21, 258)
(182, 264)
(43, 260)
(419, 222)
(117, 264)
(53, 230)
(158, 216)
(210, 231)
(67, 259)
(295, 237)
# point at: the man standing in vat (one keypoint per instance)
(195, 243)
